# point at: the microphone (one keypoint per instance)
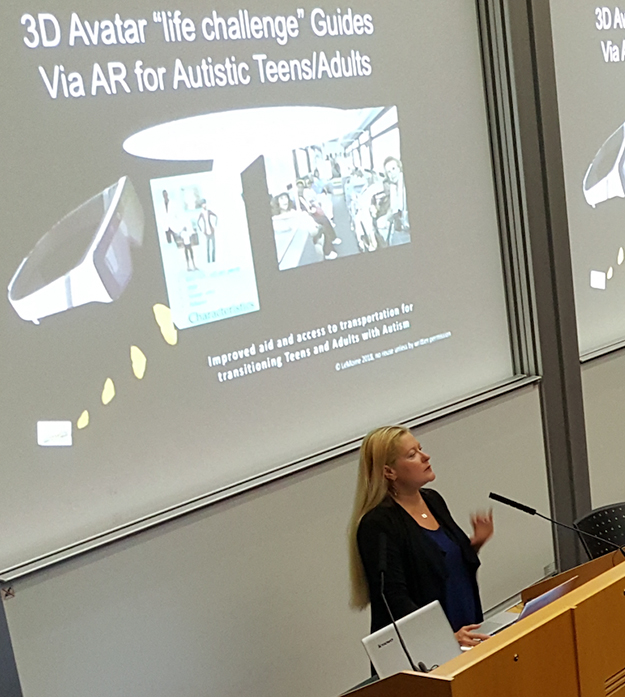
(510, 502)
(533, 511)
(382, 558)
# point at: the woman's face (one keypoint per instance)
(412, 468)
(283, 202)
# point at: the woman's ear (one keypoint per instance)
(389, 474)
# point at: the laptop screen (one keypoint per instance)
(427, 634)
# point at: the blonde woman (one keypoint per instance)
(399, 524)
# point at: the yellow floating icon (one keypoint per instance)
(83, 420)
(108, 391)
(139, 362)
(610, 273)
(621, 256)
(162, 314)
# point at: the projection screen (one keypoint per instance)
(234, 236)
(589, 61)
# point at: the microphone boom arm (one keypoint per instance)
(533, 511)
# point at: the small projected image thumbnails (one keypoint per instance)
(598, 280)
(341, 196)
(205, 247)
(54, 433)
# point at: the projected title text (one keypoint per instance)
(45, 31)
(607, 19)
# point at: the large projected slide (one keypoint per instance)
(590, 73)
(234, 236)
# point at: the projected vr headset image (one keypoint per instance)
(605, 177)
(84, 258)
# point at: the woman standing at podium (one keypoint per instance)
(407, 530)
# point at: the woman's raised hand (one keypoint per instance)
(483, 528)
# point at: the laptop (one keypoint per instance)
(427, 634)
(504, 619)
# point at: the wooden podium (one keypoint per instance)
(574, 647)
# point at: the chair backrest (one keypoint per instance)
(608, 523)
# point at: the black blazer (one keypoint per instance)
(415, 565)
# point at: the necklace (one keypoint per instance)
(424, 515)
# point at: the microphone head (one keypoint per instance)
(510, 502)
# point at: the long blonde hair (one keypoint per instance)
(378, 449)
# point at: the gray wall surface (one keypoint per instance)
(250, 597)
(604, 397)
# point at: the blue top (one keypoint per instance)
(459, 603)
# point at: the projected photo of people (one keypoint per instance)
(340, 197)
(205, 247)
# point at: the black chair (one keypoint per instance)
(608, 523)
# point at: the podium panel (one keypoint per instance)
(407, 684)
(600, 636)
(536, 657)
(574, 647)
